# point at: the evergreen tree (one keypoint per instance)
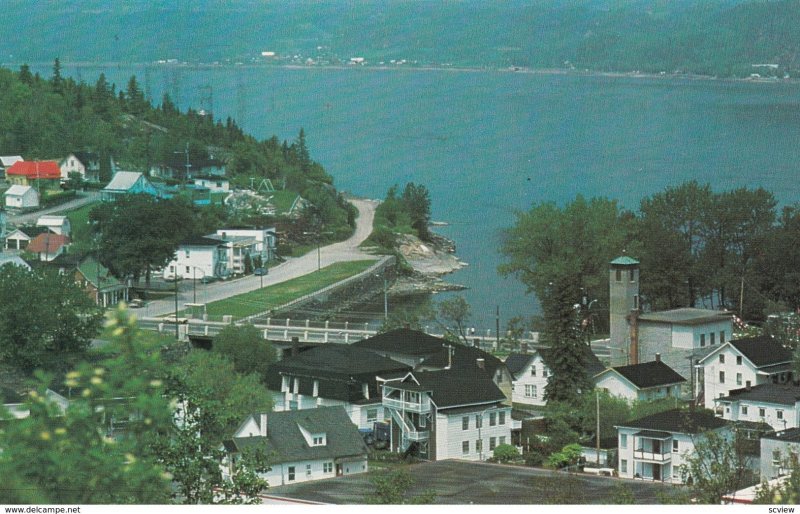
(57, 81)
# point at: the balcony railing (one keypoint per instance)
(651, 456)
(421, 407)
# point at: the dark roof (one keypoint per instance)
(762, 350)
(285, 442)
(678, 421)
(784, 394)
(455, 387)
(463, 357)
(649, 374)
(202, 241)
(685, 316)
(403, 341)
(591, 362)
(517, 362)
(791, 435)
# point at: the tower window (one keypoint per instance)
(632, 275)
(619, 275)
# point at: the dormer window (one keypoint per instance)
(318, 440)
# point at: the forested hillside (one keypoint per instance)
(714, 37)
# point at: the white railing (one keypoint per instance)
(417, 407)
(651, 456)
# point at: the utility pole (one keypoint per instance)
(497, 327)
(177, 336)
(597, 437)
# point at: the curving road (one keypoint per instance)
(347, 250)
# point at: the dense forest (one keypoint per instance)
(47, 118)
(712, 37)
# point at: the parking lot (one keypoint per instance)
(464, 483)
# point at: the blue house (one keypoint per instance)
(127, 183)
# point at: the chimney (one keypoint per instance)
(658, 357)
(481, 363)
(633, 352)
(262, 428)
(295, 345)
(523, 347)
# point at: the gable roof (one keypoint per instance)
(46, 170)
(649, 374)
(454, 388)
(13, 259)
(462, 357)
(18, 190)
(202, 241)
(784, 394)
(517, 362)
(285, 442)
(124, 180)
(678, 421)
(403, 341)
(8, 160)
(97, 274)
(762, 350)
(47, 243)
(685, 316)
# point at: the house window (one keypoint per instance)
(423, 421)
(674, 446)
(465, 423)
(721, 358)
(721, 337)
(721, 377)
(502, 439)
(464, 447)
(544, 372)
(316, 388)
(530, 391)
(623, 440)
(186, 253)
(372, 415)
(761, 412)
(308, 470)
(631, 275)
(478, 420)
(702, 339)
(327, 467)
(738, 379)
(478, 445)
(713, 336)
(533, 370)
(739, 360)
(502, 420)
(318, 440)
(492, 419)
(780, 414)
(776, 457)
(492, 443)
(636, 301)
(291, 473)
(188, 269)
(744, 410)
(623, 466)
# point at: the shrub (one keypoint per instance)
(505, 453)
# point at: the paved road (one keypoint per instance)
(30, 217)
(344, 251)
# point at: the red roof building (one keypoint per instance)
(48, 245)
(26, 173)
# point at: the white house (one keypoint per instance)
(656, 446)
(779, 453)
(333, 375)
(21, 197)
(239, 251)
(85, 164)
(300, 445)
(56, 224)
(198, 258)
(265, 239)
(530, 375)
(778, 405)
(447, 414)
(741, 363)
(6, 161)
(643, 382)
(213, 184)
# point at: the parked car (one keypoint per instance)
(136, 303)
(260, 271)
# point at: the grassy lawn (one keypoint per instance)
(79, 222)
(282, 200)
(270, 297)
(149, 336)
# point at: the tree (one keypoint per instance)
(68, 457)
(569, 455)
(453, 315)
(74, 182)
(139, 233)
(417, 204)
(784, 492)
(718, 466)
(392, 488)
(505, 453)
(57, 81)
(245, 347)
(56, 318)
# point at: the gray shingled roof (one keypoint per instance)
(762, 350)
(678, 421)
(649, 374)
(783, 394)
(455, 387)
(285, 443)
(516, 362)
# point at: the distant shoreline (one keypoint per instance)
(412, 67)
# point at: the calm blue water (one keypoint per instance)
(487, 144)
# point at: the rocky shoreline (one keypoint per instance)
(430, 261)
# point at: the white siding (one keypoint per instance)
(526, 381)
(711, 374)
(450, 434)
(201, 260)
(357, 413)
(617, 386)
(746, 410)
(279, 474)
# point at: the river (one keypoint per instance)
(489, 143)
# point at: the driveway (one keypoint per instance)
(343, 251)
(31, 217)
(464, 483)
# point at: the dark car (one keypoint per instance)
(260, 271)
